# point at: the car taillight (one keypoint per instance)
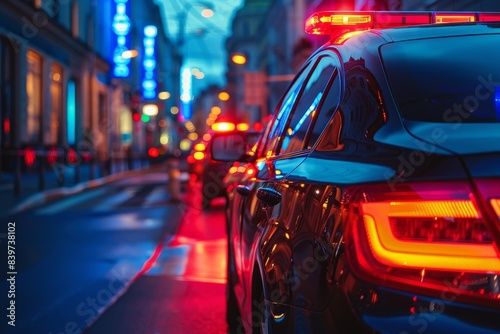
(199, 156)
(431, 235)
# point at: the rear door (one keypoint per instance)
(288, 145)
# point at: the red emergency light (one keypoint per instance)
(333, 22)
(223, 127)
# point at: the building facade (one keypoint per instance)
(66, 91)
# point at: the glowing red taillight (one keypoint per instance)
(440, 229)
(428, 234)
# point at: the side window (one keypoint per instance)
(282, 113)
(328, 108)
(309, 106)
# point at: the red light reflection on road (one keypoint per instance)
(198, 251)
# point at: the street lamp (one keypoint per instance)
(223, 96)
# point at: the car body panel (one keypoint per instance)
(298, 253)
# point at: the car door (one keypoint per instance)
(306, 106)
(248, 210)
(290, 258)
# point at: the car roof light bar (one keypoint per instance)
(334, 22)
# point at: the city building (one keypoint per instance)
(68, 93)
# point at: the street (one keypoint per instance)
(118, 258)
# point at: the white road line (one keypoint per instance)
(69, 202)
(113, 201)
(159, 193)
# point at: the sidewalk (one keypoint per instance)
(58, 183)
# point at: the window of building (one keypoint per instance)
(56, 77)
(34, 95)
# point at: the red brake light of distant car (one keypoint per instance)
(425, 235)
(257, 126)
(153, 152)
(332, 22)
(223, 126)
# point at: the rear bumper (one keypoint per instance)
(371, 309)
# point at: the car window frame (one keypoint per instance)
(320, 58)
(269, 147)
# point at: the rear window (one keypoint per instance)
(452, 79)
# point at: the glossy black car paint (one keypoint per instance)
(288, 269)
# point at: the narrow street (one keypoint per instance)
(183, 291)
(119, 258)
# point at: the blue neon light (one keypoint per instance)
(71, 112)
(186, 85)
(121, 26)
(149, 83)
(150, 31)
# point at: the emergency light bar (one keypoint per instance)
(333, 22)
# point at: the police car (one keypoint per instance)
(374, 205)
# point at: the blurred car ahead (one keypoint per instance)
(211, 172)
(196, 158)
(373, 205)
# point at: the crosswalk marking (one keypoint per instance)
(69, 201)
(111, 202)
(133, 196)
(159, 193)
